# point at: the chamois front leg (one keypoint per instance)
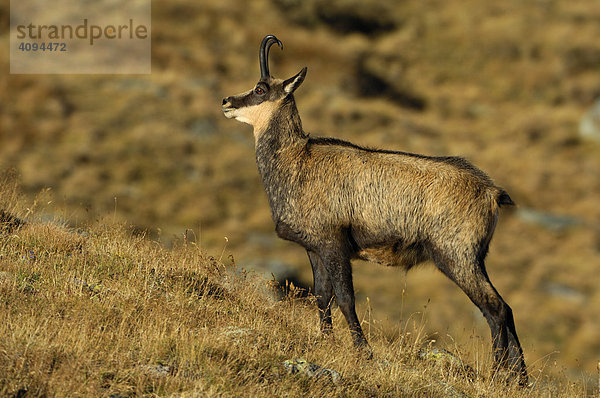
(337, 264)
(323, 290)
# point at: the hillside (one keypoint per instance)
(504, 84)
(101, 312)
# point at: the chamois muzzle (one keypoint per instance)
(263, 54)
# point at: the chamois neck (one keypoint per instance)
(279, 150)
(283, 130)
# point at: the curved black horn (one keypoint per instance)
(263, 54)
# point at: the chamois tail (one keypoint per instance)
(504, 199)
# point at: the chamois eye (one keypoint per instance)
(259, 91)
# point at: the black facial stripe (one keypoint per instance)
(250, 98)
(247, 99)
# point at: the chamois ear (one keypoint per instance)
(291, 84)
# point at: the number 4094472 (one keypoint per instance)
(50, 46)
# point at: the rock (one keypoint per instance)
(589, 124)
(157, 370)
(295, 366)
(547, 220)
(236, 332)
(439, 354)
(565, 292)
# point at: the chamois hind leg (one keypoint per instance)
(472, 278)
(323, 290)
(337, 265)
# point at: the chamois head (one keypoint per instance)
(256, 106)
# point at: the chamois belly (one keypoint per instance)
(394, 255)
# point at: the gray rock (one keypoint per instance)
(236, 332)
(301, 366)
(439, 354)
(566, 292)
(589, 124)
(157, 370)
(550, 221)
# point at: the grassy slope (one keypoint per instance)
(101, 312)
(505, 85)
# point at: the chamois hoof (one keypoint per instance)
(365, 352)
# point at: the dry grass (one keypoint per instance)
(504, 84)
(101, 312)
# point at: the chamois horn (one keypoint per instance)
(263, 54)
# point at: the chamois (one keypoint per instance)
(341, 201)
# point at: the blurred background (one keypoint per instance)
(509, 85)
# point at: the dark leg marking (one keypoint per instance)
(473, 280)
(323, 290)
(337, 265)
